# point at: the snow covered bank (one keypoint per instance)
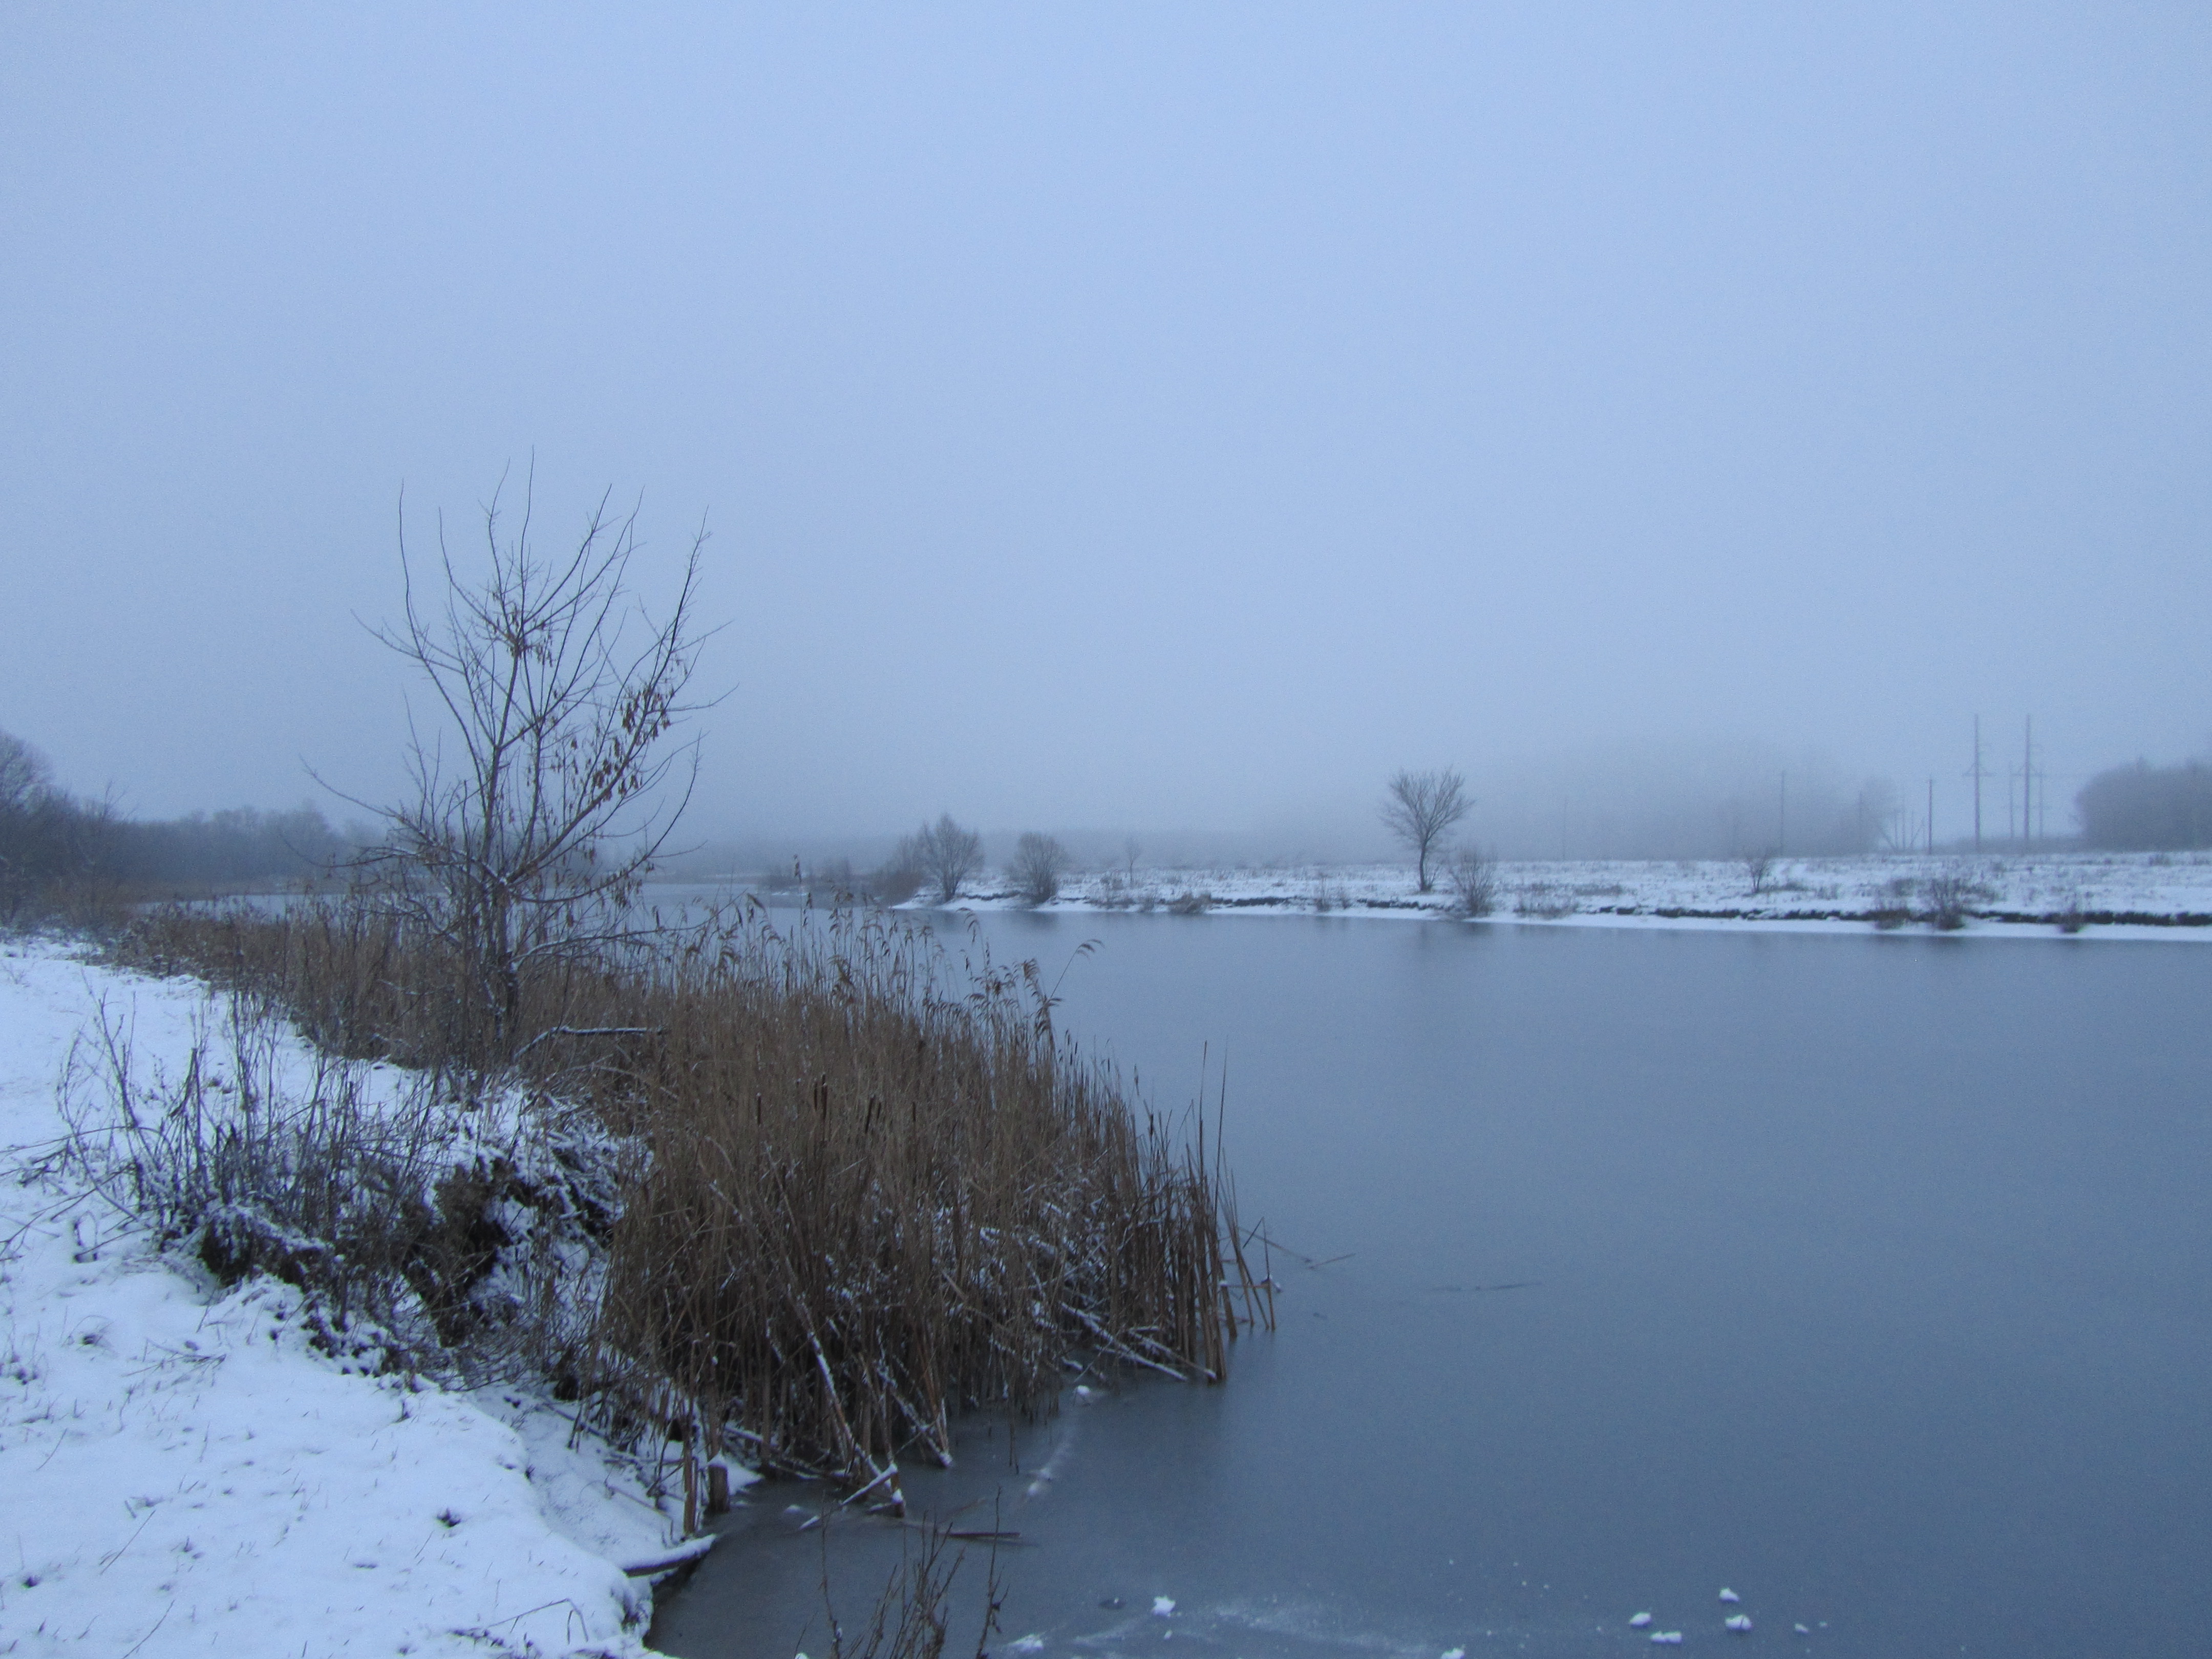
(2130, 895)
(185, 1470)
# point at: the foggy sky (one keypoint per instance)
(1147, 415)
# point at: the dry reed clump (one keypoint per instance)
(866, 1191)
(876, 1198)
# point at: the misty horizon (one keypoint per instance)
(1175, 420)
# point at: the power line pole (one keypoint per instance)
(1978, 783)
(1931, 817)
(2027, 786)
(1782, 820)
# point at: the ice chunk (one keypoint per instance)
(1163, 1606)
(1730, 1595)
(1639, 1621)
(1740, 1623)
(1672, 1638)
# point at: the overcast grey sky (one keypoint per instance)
(1173, 415)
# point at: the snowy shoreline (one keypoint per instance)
(2114, 896)
(189, 1472)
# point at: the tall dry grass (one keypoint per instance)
(872, 1186)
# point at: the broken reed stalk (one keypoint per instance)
(868, 1190)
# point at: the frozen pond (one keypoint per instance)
(1868, 1277)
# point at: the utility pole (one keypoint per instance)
(1978, 783)
(1782, 820)
(2027, 785)
(1931, 817)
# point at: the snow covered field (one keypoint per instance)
(183, 1471)
(2135, 895)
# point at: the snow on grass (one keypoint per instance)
(185, 1472)
(2114, 895)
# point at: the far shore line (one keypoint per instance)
(2188, 927)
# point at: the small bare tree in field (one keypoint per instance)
(1760, 867)
(1419, 807)
(1039, 863)
(542, 795)
(945, 854)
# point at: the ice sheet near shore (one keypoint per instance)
(182, 1473)
(2120, 895)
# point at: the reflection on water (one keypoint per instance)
(1862, 1276)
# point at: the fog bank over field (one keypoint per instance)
(1178, 418)
(1613, 802)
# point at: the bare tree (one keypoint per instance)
(26, 788)
(1039, 863)
(1760, 867)
(527, 838)
(946, 854)
(24, 774)
(55, 850)
(1420, 807)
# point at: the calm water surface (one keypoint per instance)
(1866, 1276)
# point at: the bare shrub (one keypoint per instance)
(1758, 868)
(898, 878)
(1944, 899)
(1473, 879)
(1543, 901)
(1189, 902)
(305, 1179)
(1896, 908)
(1039, 863)
(1420, 807)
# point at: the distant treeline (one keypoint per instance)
(2148, 808)
(57, 849)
